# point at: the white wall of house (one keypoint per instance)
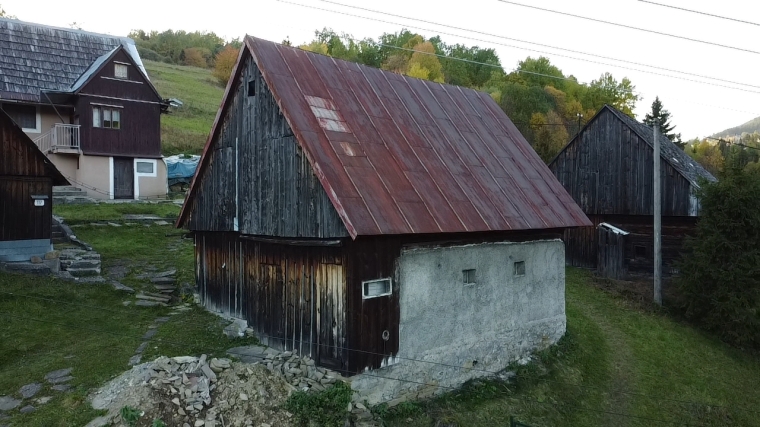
(503, 316)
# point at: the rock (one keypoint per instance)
(36, 260)
(143, 303)
(52, 255)
(7, 403)
(27, 409)
(126, 303)
(164, 281)
(162, 223)
(113, 224)
(176, 402)
(208, 373)
(162, 299)
(166, 273)
(30, 390)
(58, 374)
(99, 422)
(249, 354)
(148, 335)
(236, 329)
(361, 406)
(185, 359)
(134, 360)
(142, 347)
(61, 387)
(199, 423)
(243, 396)
(121, 287)
(43, 400)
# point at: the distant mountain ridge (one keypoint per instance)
(751, 126)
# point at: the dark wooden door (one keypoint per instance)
(20, 217)
(123, 178)
(611, 252)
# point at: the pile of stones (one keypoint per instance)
(301, 372)
(189, 382)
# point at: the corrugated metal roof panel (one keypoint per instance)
(399, 155)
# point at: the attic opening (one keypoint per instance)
(252, 87)
(468, 277)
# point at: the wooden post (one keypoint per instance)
(657, 219)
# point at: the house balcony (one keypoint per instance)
(61, 139)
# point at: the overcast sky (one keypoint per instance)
(697, 109)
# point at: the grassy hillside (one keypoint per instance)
(185, 129)
(751, 126)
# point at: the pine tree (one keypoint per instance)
(661, 116)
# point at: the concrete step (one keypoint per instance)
(78, 193)
(69, 200)
(27, 268)
(79, 264)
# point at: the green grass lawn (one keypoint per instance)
(616, 366)
(184, 129)
(77, 214)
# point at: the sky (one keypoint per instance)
(698, 108)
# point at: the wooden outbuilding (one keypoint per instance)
(608, 169)
(27, 178)
(366, 218)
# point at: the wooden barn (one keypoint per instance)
(365, 218)
(27, 178)
(608, 169)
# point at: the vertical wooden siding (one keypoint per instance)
(609, 171)
(292, 296)
(278, 194)
(611, 259)
(19, 218)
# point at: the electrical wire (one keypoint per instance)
(700, 13)
(630, 27)
(538, 44)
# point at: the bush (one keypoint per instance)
(326, 408)
(720, 272)
(150, 55)
(225, 61)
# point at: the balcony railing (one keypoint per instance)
(62, 137)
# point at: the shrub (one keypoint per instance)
(151, 55)
(225, 61)
(720, 272)
(325, 408)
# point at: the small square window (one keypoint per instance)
(519, 268)
(252, 88)
(144, 167)
(120, 71)
(468, 277)
(376, 288)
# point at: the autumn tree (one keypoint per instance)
(424, 61)
(225, 61)
(708, 155)
(194, 57)
(661, 117)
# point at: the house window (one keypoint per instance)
(120, 71)
(376, 288)
(105, 117)
(144, 167)
(25, 116)
(252, 88)
(520, 268)
(468, 277)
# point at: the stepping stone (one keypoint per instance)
(27, 409)
(142, 303)
(148, 335)
(58, 374)
(43, 400)
(7, 403)
(161, 223)
(120, 287)
(61, 387)
(161, 320)
(164, 281)
(30, 390)
(152, 298)
(60, 380)
(141, 348)
(134, 360)
(113, 224)
(166, 273)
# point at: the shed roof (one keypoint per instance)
(16, 134)
(689, 168)
(36, 58)
(399, 155)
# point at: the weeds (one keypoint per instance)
(326, 408)
(131, 415)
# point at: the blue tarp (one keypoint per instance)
(181, 169)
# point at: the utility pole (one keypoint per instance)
(657, 218)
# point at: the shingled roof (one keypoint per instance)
(399, 155)
(36, 58)
(669, 151)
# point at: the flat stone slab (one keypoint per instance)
(162, 222)
(249, 353)
(27, 409)
(142, 347)
(143, 303)
(8, 403)
(121, 287)
(163, 281)
(61, 387)
(148, 335)
(60, 380)
(58, 374)
(166, 273)
(134, 360)
(30, 390)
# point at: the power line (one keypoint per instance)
(700, 13)
(537, 44)
(501, 44)
(630, 27)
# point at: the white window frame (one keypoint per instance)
(390, 287)
(38, 119)
(117, 66)
(143, 174)
(101, 113)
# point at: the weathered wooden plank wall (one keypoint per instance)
(582, 244)
(611, 255)
(278, 193)
(609, 171)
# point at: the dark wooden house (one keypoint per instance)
(359, 216)
(86, 100)
(27, 178)
(608, 169)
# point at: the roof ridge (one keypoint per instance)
(71, 30)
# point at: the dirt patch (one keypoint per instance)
(639, 291)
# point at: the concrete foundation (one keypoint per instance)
(457, 325)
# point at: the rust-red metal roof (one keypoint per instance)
(399, 155)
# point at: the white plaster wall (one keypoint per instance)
(485, 326)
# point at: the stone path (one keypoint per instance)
(59, 381)
(152, 329)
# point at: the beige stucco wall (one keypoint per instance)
(67, 164)
(149, 187)
(95, 173)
